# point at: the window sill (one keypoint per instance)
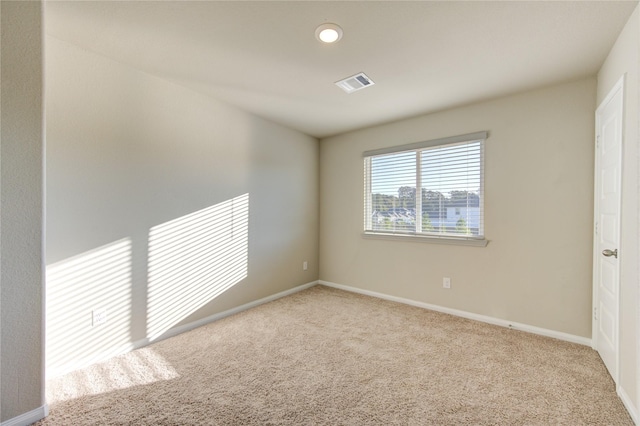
(427, 239)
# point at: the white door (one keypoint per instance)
(608, 168)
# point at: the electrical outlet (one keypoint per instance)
(446, 282)
(99, 317)
(305, 265)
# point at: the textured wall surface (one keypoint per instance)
(536, 269)
(21, 148)
(164, 206)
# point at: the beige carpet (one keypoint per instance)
(324, 356)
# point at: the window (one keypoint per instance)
(430, 189)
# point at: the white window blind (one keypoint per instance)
(432, 188)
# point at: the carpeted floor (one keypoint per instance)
(328, 357)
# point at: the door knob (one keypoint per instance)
(609, 253)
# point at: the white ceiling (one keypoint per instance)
(423, 56)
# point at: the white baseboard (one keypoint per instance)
(29, 417)
(628, 404)
(469, 315)
(78, 364)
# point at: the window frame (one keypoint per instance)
(418, 147)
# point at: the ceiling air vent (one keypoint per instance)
(355, 82)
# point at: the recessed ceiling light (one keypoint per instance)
(329, 33)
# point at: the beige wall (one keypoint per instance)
(21, 147)
(536, 269)
(127, 153)
(623, 59)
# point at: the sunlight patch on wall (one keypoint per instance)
(95, 285)
(193, 259)
(136, 368)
